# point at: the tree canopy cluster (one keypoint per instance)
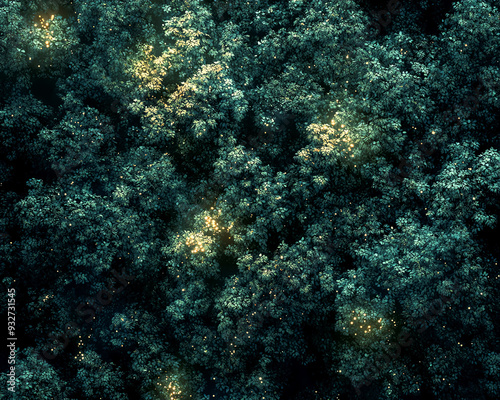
(251, 199)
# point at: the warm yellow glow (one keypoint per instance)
(367, 325)
(198, 242)
(150, 69)
(44, 31)
(206, 233)
(212, 225)
(329, 139)
(168, 389)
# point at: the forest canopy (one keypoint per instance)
(262, 199)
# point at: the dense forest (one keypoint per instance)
(245, 200)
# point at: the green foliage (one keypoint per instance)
(284, 194)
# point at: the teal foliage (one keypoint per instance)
(277, 199)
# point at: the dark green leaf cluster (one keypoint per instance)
(265, 199)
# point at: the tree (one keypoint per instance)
(264, 199)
